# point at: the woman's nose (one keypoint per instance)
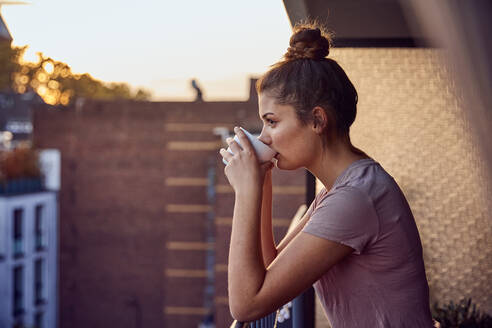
(264, 137)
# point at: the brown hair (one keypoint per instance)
(305, 78)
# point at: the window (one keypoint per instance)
(38, 320)
(3, 242)
(39, 228)
(19, 323)
(18, 216)
(39, 281)
(18, 291)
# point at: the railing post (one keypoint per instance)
(303, 305)
(303, 310)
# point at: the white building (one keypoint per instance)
(28, 260)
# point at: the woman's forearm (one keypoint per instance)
(246, 271)
(269, 250)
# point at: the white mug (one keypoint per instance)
(264, 153)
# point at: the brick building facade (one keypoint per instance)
(141, 237)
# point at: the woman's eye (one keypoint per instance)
(270, 122)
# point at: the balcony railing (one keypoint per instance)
(21, 186)
(297, 314)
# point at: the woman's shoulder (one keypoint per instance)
(367, 176)
(364, 179)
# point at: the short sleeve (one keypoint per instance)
(314, 203)
(347, 216)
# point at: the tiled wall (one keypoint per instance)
(411, 120)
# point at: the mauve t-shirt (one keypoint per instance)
(383, 282)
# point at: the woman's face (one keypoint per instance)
(296, 144)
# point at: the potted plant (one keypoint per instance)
(463, 314)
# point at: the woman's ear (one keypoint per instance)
(320, 119)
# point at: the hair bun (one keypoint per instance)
(308, 42)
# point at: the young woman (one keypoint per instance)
(358, 242)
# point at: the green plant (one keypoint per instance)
(461, 315)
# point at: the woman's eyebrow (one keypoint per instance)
(266, 114)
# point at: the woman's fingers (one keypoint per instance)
(235, 148)
(243, 140)
(244, 145)
(225, 154)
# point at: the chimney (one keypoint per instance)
(253, 96)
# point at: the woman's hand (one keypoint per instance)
(243, 170)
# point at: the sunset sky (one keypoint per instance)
(157, 44)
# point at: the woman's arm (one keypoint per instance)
(246, 269)
(292, 233)
(254, 290)
(269, 250)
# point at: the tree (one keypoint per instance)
(54, 81)
(9, 63)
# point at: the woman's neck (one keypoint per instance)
(333, 160)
